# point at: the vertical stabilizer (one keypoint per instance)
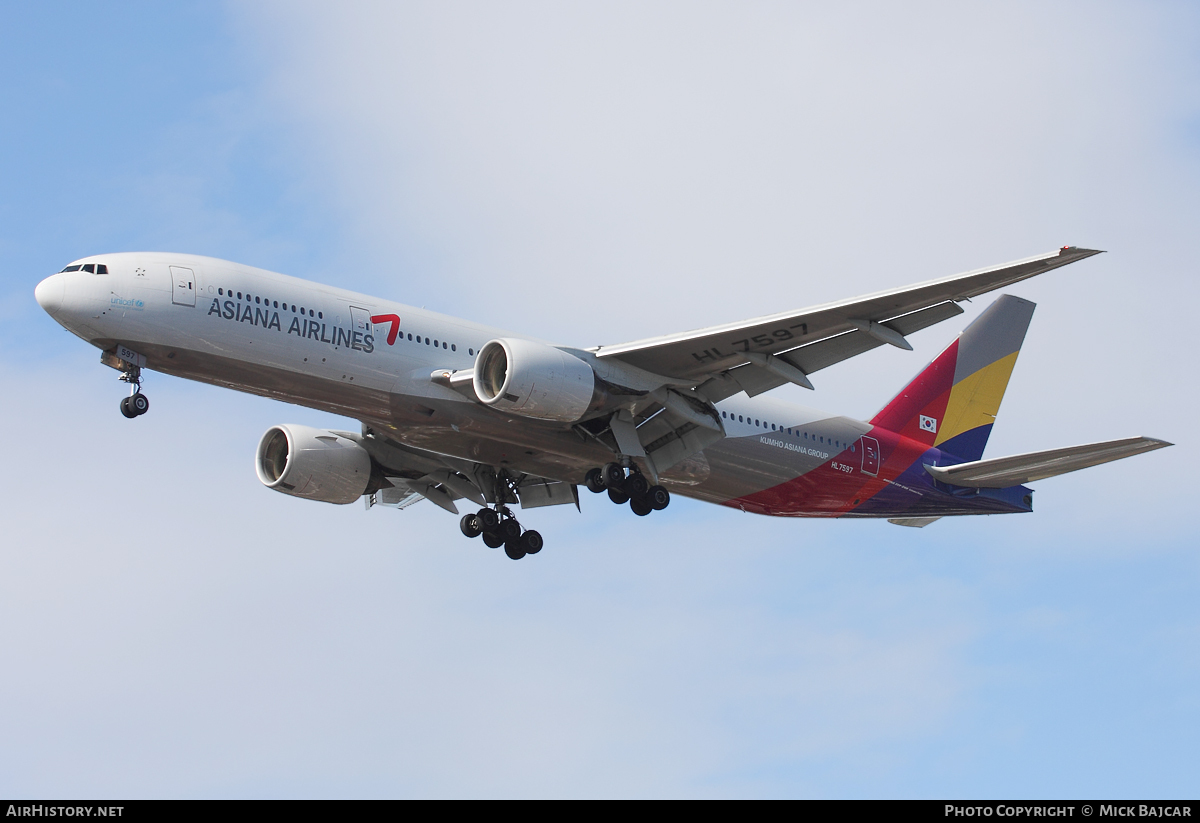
(953, 403)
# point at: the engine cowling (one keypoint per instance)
(533, 380)
(313, 464)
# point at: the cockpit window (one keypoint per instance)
(90, 268)
(101, 268)
(76, 267)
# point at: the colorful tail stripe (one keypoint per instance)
(953, 403)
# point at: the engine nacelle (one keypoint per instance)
(533, 380)
(313, 464)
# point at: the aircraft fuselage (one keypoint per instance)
(372, 359)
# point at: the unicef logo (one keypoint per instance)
(133, 303)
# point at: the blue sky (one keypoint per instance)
(592, 175)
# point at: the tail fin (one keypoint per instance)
(952, 404)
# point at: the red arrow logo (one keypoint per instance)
(394, 320)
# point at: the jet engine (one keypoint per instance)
(533, 380)
(313, 464)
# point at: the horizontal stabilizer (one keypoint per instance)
(1002, 472)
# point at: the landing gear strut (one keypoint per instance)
(136, 404)
(633, 488)
(498, 526)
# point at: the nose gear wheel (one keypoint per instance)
(136, 404)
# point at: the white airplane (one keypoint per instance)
(453, 410)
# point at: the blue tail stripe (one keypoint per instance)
(968, 445)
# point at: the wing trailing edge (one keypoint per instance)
(872, 320)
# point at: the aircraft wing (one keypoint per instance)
(768, 351)
(418, 474)
(1002, 472)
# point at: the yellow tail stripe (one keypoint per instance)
(975, 400)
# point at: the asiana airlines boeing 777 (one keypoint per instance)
(453, 410)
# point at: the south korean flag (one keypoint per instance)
(929, 424)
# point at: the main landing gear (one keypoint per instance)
(633, 488)
(499, 527)
(136, 404)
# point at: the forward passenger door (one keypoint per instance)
(183, 286)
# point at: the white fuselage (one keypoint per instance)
(372, 359)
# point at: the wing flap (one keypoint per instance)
(705, 352)
(393, 498)
(755, 380)
(535, 492)
(431, 492)
(1002, 472)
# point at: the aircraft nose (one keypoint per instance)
(49, 294)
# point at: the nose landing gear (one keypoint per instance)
(129, 363)
(136, 404)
